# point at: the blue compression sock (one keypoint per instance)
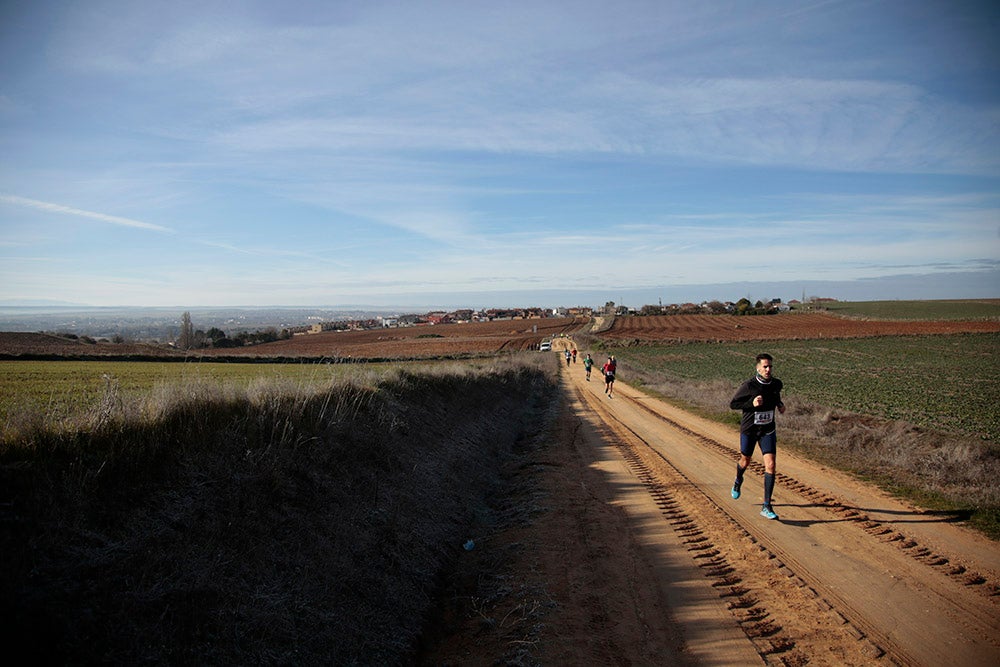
(768, 487)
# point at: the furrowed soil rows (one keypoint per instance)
(726, 328)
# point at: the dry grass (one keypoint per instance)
(266, 525)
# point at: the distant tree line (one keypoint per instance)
(742, 307)
(191, 338)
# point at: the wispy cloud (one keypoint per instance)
(812, 123)
(80, 213)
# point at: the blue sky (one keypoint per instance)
(325, 153)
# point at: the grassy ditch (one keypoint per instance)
(272, 525)
(912, 414)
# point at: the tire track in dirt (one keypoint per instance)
(767, 599)
(949, 565)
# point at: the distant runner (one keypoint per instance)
(588, 363)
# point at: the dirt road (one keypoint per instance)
(846, 575)
(644, 558)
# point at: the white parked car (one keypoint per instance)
(546, 346)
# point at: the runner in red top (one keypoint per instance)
(609, 369)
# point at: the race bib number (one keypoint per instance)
(763, 417)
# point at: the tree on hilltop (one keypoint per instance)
(186, 340)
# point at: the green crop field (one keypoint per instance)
(58, 390)
(980, 309)
(938, 382)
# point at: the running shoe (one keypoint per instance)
(736, 492)
(767, 512)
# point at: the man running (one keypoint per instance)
(588, 363)
(609, 368)
(758, 398)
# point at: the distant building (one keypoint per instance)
(438, 318)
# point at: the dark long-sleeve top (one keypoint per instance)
(760, 419)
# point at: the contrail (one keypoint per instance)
(59, 208)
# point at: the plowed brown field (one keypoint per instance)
(420, 341)
(683, 328)
(24, 343)
(440, 340)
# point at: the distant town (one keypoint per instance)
(244, 326)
